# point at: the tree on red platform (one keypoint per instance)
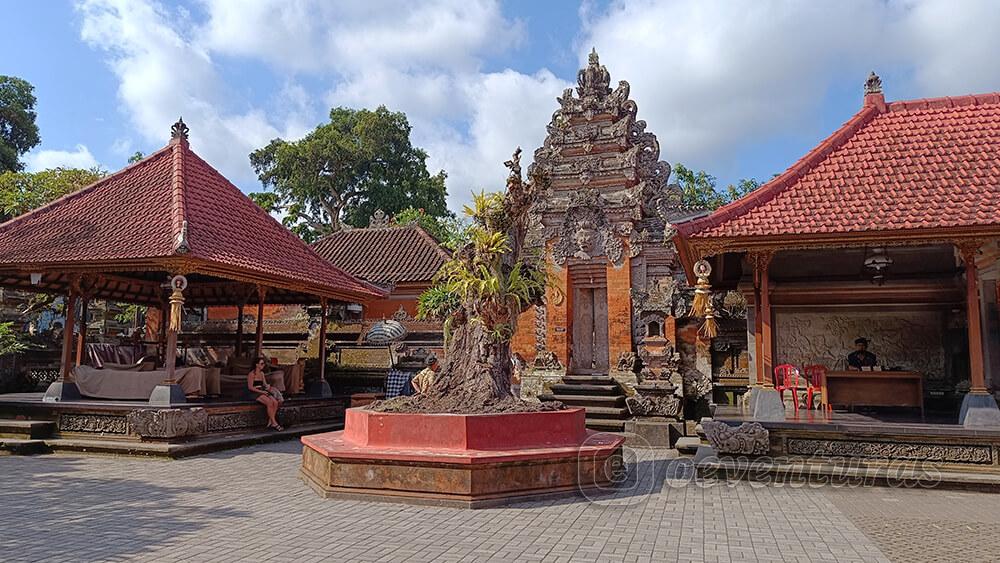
(480, 293)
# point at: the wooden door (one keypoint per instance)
(589, 352)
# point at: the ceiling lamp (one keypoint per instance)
(877, 263)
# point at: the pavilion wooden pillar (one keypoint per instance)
(323, 319)
(319, 387)
(81, 342)
(169, 392)
(259, 346)
(763, 318)
(977, 371)
(65, 389)
(66, 365)
(239, 330)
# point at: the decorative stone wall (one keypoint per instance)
(912, 340)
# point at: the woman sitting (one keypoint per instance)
(265, 394)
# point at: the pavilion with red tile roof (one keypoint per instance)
(906, 195)
(170, 214)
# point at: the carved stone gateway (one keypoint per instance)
(603, 224)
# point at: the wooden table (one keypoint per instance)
(874, 389)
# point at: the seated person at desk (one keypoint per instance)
(861, 357)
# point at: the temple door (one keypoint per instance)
(589, 344)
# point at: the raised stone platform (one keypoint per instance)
(468, 461)
(137, 428)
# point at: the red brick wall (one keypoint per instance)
(619, 310)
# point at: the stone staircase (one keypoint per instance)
(24, 437)
(600, 395)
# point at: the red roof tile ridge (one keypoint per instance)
(178, 213)
(786, 179)
(431, 240)
(989, 98)
(376, 291)
(82, 191)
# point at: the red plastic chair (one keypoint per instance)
(815, 376)
(786, 377)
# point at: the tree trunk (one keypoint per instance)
(476, 371)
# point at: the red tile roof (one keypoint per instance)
(168, 206)
(911, 165)
(385, 255)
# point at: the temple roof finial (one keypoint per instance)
(179, 130)
(873, 85)
(594, 80)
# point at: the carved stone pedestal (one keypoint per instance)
(168, 424)
(657, 409)
(979, 410)
(166, 394)
(60, 390)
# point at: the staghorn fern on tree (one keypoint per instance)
(479, 293)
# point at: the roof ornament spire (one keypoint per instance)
(378, 220)
(595, 79)
(873, 85)
(179, 130)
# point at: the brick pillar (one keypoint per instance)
(559, 307)
(619, 309)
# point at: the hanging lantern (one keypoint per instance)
(877, 264)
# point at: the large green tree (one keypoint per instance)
(21, 192)
(342, 171)
(699, 188)
(18, 132)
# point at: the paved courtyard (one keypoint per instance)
(249, 505)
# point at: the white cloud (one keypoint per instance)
(712, 77)
(44, 159)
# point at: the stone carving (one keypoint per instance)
(547, 359)
(734, 305)
(237, 420)
(541, 327)
(749, 438)
(168, 423)
(179, 130)
(401, 315)
(896, 451)
(645, 404)
(94, 423)
(658, 296)
(627, 362)
(379, 220)
(659, 364)
(873, 85)
(586, 231)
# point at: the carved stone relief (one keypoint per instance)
(96, 423)
(911, 340)
(168, 423)
(749, 438)
(896, 451)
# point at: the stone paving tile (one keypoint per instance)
(248, 505)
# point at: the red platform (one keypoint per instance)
(460, 460)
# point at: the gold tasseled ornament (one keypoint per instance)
(176, 309)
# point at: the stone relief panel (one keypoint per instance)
(911, 340)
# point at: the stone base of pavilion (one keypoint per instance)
(139, 429)
(464, 461)
(853, 449)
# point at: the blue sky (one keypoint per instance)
(740, 89)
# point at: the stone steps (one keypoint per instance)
(18, 446)
(26, 429)
(599, 394)
(585, 389)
